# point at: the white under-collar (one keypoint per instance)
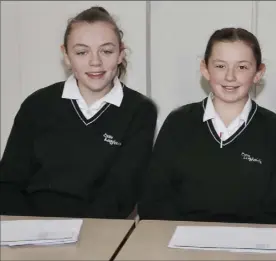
(114, 96)
(210, 112)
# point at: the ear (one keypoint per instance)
(204, 70)
(122, 53)
(65, 56)
(259, 74)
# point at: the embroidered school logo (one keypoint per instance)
(250, 158)
(110, 139)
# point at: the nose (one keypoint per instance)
(95, 59)
(230, 75)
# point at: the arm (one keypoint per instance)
(157, 200)
(16, 164)
(120, 193)
(268, 215)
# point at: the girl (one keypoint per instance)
(215, 160)
(77, 148)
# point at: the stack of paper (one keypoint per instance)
(241, 239)
(39, 232)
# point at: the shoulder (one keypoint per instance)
(267, 114)
(191, 111)
(44, 95)
(182, 120)
(266, 126)
(266, 119)
(137, 101)
(36, 102)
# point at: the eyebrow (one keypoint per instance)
(242, 61)
(84, 45)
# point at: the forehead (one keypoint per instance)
(96, 33)
(232, 51)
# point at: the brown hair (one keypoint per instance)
(92, 15)
(232, 35)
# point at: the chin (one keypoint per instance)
(97, 88)
(233, 99)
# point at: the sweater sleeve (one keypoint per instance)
(119, 194)
(268, 215)
(157, 199)
(271, 210)
(16, 164)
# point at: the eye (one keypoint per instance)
(243, 67)
(81, 53)
(220, 66)
(107, 52)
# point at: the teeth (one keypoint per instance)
(95, 73)
(230, 87)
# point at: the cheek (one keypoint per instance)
(216, 78)
(111, 64)
(246, 79)
(78, 64)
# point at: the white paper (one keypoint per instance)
(237, 239)
(40, 232)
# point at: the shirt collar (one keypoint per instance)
(210, 112)
(71, 89)
(246, 110)
(114, 96)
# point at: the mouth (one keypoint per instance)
(230, 88)
(95, 75)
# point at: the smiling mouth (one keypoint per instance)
(230, 88)
(95, 75)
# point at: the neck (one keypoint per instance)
(229, 111)
(91, 96)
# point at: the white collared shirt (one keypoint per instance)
(223, 131)
(114, 96)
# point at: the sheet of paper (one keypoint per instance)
(238, 239)
(40, 232)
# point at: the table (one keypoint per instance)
(149, 241)
(99, 240)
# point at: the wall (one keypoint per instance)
(165, 50)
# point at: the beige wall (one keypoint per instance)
(266, 31)
(32, 31)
